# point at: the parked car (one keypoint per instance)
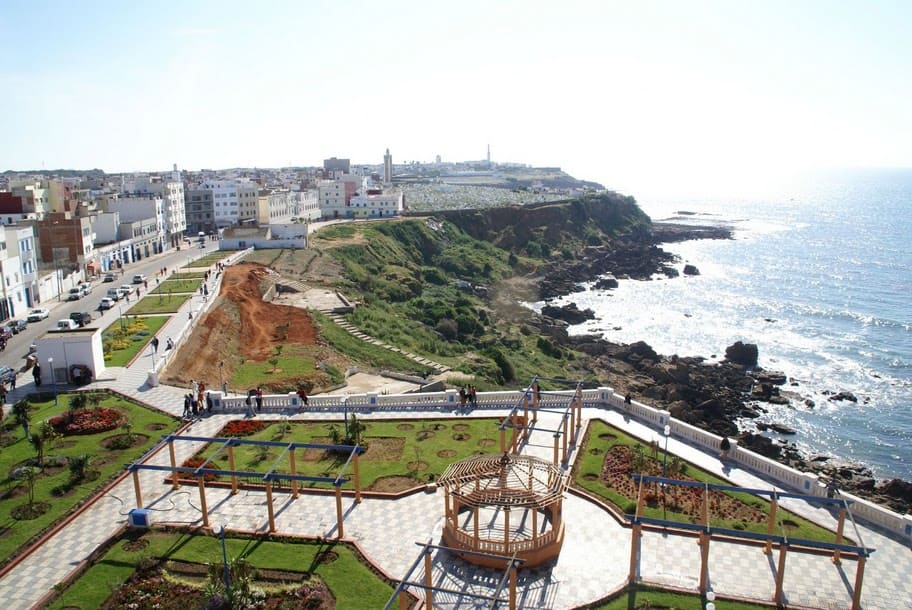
(106, 303)
(86, 288)
(5, 333)
(75, 294)
(108, 277)
(82, 318)
(115, 293)
(16, 326)
(139, 278)
(38, 314)
(67, 324)
(128, 288)
(5, 373)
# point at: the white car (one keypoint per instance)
(128, 288)
(38, 314)
(106, 303)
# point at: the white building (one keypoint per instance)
(307, 205)
(171, 191)
(376, 205)
(21, 246)
(233, 201)
(137, 209)
(13, 300)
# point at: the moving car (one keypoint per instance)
(67, 324)
(82, 318)
(75, 294)
(108, 277)
(128, 288)
(115, 294)
(16, 326)
(139, 278)
(106, 303)
(38, 314)
(86, 288)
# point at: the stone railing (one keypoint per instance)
(599, 398)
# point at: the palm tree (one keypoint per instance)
(29, 474)
(21, 411)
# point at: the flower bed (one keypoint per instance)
(87, 421)
(241, 427)
(195, 462)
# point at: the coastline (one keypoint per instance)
(715, 395)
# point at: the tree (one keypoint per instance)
(79, 465)
(29, 474)
(21, 412)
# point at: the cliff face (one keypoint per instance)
(513, 227)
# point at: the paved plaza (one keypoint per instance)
(596, 551)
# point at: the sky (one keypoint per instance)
(641, 96)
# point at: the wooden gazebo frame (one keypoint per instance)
(505, 482)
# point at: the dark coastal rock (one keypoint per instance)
(691, 270)
(759, 444)
(770, 377)
(568, 313)
(843, 396)
(745, 354)
(607, 282)
(782, 429)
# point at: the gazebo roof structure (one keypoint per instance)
(508, 480)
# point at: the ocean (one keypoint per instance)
(819, 276)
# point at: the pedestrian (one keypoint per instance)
(138, 292)
(209, 403)
(194, 406)
(725, 445)
(302, 394)
(154, 344)
(462, 397)
(186, 414)
(12, 380)
(194, 387)
(473, 396)
(36, 374)
(259, 399)
(146, 284)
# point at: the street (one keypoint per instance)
(18, 345)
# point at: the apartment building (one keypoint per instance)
(171, 190)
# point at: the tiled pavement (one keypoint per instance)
(594, 560)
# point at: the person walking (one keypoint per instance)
(155, 344)
(259, 399)
(36, 374)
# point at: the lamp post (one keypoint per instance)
(53, 378)
(345, 415)
(225, 559)
(666, 432)
(710, 600)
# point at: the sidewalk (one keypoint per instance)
(596, 551)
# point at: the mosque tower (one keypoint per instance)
(387, 167)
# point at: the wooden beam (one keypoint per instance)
(859, 578)
(203, 508)
(175, 484)
(780, 575)
(138, 490)
(269, 508)
(339, 529)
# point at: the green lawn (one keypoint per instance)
(187, 275)
(352, 583)
(55, 474)
(159, 303)
(179, 285)
(210, 259)
(419, 449)
(601, 437)
(295, 362)
(128, 336)
(648, 597)
(362, 351)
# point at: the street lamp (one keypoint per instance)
(225, 559)
(666, 432)
(53, 378)
(710, 600)
(345, 415)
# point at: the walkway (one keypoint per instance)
(594, 561)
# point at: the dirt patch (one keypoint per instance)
(405, 427)
(132, 546)
(416, 466)
(607, 437)
(486, 442)
(155, 427)
(394, 484)
(123, 441)
(27, 512)
(460, 427)
(240, 322)
(446, 453)
(424, 435)
(461, 436)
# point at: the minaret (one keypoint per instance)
(489, 155)
(387, 167)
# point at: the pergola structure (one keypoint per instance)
(508, 564)
(520, 499)
(269, 479)
(566, 436)
(770, 539)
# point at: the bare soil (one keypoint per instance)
(239, 325)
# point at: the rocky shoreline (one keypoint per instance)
(713, 396)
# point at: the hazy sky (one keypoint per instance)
(638, 95)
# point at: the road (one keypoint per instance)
(18, 345)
